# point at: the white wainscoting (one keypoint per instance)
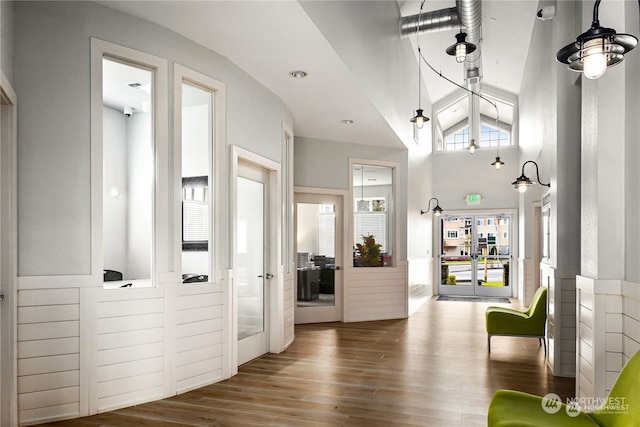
(561, 319)
(48, 354)
(289, 307)
(420, 278)
(608, 332)
(375, 293)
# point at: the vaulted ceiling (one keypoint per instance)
(269, 39)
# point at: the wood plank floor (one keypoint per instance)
(432, 369)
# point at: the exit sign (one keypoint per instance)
(473, 199)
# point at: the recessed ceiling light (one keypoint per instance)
(298, 74)
(347, 122)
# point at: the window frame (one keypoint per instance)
(160, 220)
(217, 169)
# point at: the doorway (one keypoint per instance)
(8, 253)
(475, 255)
(318, 281)
(252, 261)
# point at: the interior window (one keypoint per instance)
(197, 144)
(373, 208)
(128, 173)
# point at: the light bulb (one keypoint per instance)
(498, 164)
(437, 213)
(419, 121)
(522, 188)
(461, 52)
(472, 148)
(594, 59)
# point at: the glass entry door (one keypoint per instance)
(475, 255)
(251, 278)
(318, 279)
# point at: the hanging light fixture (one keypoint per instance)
(473, 146)
(437, 210)
(363, 205)
(472, 120)
(498, 163)
(523, 182)
(596, 49)
(461, 48)
(419, 119)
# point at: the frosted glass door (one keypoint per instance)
(250, 276)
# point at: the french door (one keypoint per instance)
(475, 255)
(318, 225)
(251, 277)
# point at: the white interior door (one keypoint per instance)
(251, 276)
(318, 279)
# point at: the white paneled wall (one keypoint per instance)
(48, 354)
(608, 332)
(561, 319)
(200, 337)
(130, 347)
(375, 293)
(289, 307)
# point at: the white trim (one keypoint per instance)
(8, 364)
(160, 221)
(276, 292)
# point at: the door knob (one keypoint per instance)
(269, 276)
(337, 267)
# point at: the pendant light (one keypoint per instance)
(461, 48)
(419, 119)
(472, 120)
(497, 163)
(363, 205)
(596, 49)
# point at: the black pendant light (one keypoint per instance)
(596, 49)
(461, 48)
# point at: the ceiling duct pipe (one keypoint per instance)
(430, 22)
(470, 12)
(467, 15)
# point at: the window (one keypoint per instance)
(452, 234)
(129, 132)
(504, 221)
(505, 235)
(373, 210)
(489, 221)
(492, 124)
(198, 99)
(480, 222)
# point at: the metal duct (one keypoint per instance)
(436, 20)
(467, 15)
(470, 12)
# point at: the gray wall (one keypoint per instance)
(6, 38)
(325, 164)
(52, 78)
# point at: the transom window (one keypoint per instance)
(467, 117)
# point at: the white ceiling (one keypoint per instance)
(268, 39)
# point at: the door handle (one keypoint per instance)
(337, 267)
(268, 276)
(1, 297)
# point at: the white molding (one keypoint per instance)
(8, 319)
(160, 216)
(59, 282)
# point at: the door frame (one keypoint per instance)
(8, 205)
(342, 251)
(513, 273)
(275, 288)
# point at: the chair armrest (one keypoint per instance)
(510, 408)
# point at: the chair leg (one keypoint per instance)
(489, 342)
(544, 341)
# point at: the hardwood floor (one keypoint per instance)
(432, 369)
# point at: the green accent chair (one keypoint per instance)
(621, 408)
(516, 323)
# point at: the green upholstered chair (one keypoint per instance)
(621, 408)
(510, 322)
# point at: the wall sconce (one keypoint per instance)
(596, 49)
(461, 48)
(437, 210)
(523, 182)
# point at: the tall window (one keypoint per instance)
(373, 209)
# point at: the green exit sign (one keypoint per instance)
(473, 199)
